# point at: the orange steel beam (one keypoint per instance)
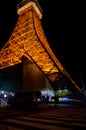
(28, 39)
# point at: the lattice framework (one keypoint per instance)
(28, 39)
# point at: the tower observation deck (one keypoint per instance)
(28, 39)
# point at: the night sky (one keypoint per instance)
(64, 26)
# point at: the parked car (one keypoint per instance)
(25, 99)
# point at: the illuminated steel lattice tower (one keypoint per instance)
(28, 39)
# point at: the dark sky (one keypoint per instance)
(64, 26)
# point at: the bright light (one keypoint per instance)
(5, 95)
(47, 92)
(64, 99)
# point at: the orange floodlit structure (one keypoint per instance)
(28, 39)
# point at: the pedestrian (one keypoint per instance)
(47, 98)
(55, 99)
